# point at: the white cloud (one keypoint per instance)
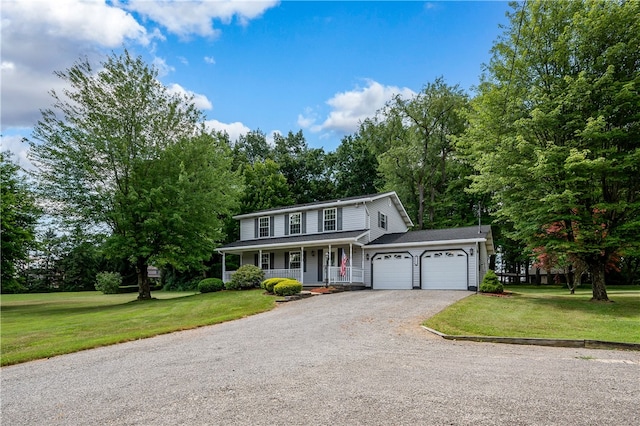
(234, 130)
(195, 17)
(163, 68)
(39, 37)
(352, 107)
(18, 148)
(210, 60)
(200, 101)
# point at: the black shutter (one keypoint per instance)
(320, 266)
(339, 219)
(379, 220)
(286, 260)
(256, 228)
(256, 260)
(272, 260)
(320, 219)
(304, 261)
(271, 225)
(286, 224)
(304, 223)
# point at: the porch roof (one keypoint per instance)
(307, 240)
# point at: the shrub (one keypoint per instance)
(247, 276)
(491, 284)
(268, 284)
(209, 285)
(108, 282)
(287, 288)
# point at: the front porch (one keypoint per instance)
(349, 275)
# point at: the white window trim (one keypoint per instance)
(383, 221)
(334, 220)
(266, 256)
(299, 261)
(291, 215)
(260, 227)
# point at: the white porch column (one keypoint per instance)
(224, 269)
(302, 265)
(259, 259)
(350, 263)
(241, 258)
(329, 266)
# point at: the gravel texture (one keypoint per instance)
(353, 358)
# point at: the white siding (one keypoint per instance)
(247, 231)
(353, 218)
(395, 223)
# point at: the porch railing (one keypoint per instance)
(336, 275)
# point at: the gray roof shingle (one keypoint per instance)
(430, 235)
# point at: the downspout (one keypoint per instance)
(479, 266)
(224, 269)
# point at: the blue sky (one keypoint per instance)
(274, 66)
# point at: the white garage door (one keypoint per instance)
(393, 271)
(444, 270)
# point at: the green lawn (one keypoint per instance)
(545, 312)
(37, 326)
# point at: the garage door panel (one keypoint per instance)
(393, 271)
(444, 270)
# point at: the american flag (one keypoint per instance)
(343, 265)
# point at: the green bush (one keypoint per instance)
(247, 276)
(209, 285)
(287, 288)
(268, 284)
(491, 284)
(108, 282)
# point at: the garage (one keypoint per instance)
(444, 270)
(392, 271)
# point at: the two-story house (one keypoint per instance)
(361, 241)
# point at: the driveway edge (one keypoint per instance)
(565, 343)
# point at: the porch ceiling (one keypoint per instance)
(307, 240)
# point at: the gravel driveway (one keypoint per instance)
(354, 358)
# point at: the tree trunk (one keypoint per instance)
(144, 291)
(599, 289)
(571, 282)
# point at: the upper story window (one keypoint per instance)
(382, 220)
(295, 223)
(329, 216)
(263, 226)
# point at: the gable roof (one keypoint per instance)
(334, 203)
(438, 236)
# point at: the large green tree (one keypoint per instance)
(555, 133)
(119, 152)
(414, 140)
(19, 216)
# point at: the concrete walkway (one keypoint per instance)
(353, 358)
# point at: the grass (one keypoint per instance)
(545, 312)
(35, 326)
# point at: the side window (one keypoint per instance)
(265, 261)
(263, 226)
(329, 216)
(294, 260)
(382, 220)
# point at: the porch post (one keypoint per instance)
(260, 259)
(329, 266)
(302, 265)
(224, 269)
(350, 263)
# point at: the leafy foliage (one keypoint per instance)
(126, 154)
(210, 285)
(491, 284)
(287, 288)
(555, 129)
(19, 216)
(247, 276)
(108, 282)
(270, 283)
